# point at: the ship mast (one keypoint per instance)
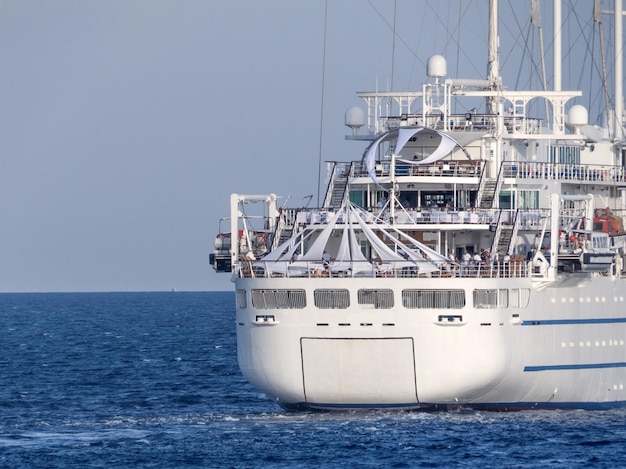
(557, 44)
(619, 99)
(495, 105)
(493, 67)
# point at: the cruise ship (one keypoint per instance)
(471, 256)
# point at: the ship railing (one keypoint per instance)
(565, 172)
(462, 122)
(516, 267)
(438, 121)
(440, 169)
(528, 219)
(444, 216)
(532, 219)
(522, 125)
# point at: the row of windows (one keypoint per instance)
(502, 298)
(440, 299)
(278, 299)
(383, 298)
(564, 155)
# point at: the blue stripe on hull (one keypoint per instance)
(581, 366)
(562, 322)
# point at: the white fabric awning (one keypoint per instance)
(390, 248)
(401, 137)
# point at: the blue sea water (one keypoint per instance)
(131, 380)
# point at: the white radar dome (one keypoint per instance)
(436, 66)
(355, 118)
(578, 116)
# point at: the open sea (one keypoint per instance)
(133, 380)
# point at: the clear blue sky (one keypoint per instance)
(125, 125)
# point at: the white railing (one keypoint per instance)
(516, 268)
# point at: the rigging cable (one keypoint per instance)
(597, 16)
(393, 44)
(319, 164)
(393, 58)
(458, 48)
(595, 69)
(535, 19)
(409, 48)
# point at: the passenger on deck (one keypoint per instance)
(467, 260)
(477, 260)
(505, 262)
(495, 258)
(325, 258)
(326, 262)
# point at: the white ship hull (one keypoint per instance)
(472, 255)
(564, 349)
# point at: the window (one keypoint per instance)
(278, 299)
(564, 155)
(503, 298)
(488, 299)
(485, 298)
(433, 299)
(332, 299)
(599, 242)
(242, 303)
(378, 299)
(356, 197)
(506, 200)
(520, 297)
(528, 199)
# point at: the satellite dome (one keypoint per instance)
(436, 67)
(578, 116)
(355, 118)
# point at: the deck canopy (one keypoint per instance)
(389, 247)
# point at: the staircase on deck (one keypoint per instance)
(337, 185)
(506, 226)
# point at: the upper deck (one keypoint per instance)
(390, 110)
(566, 172)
